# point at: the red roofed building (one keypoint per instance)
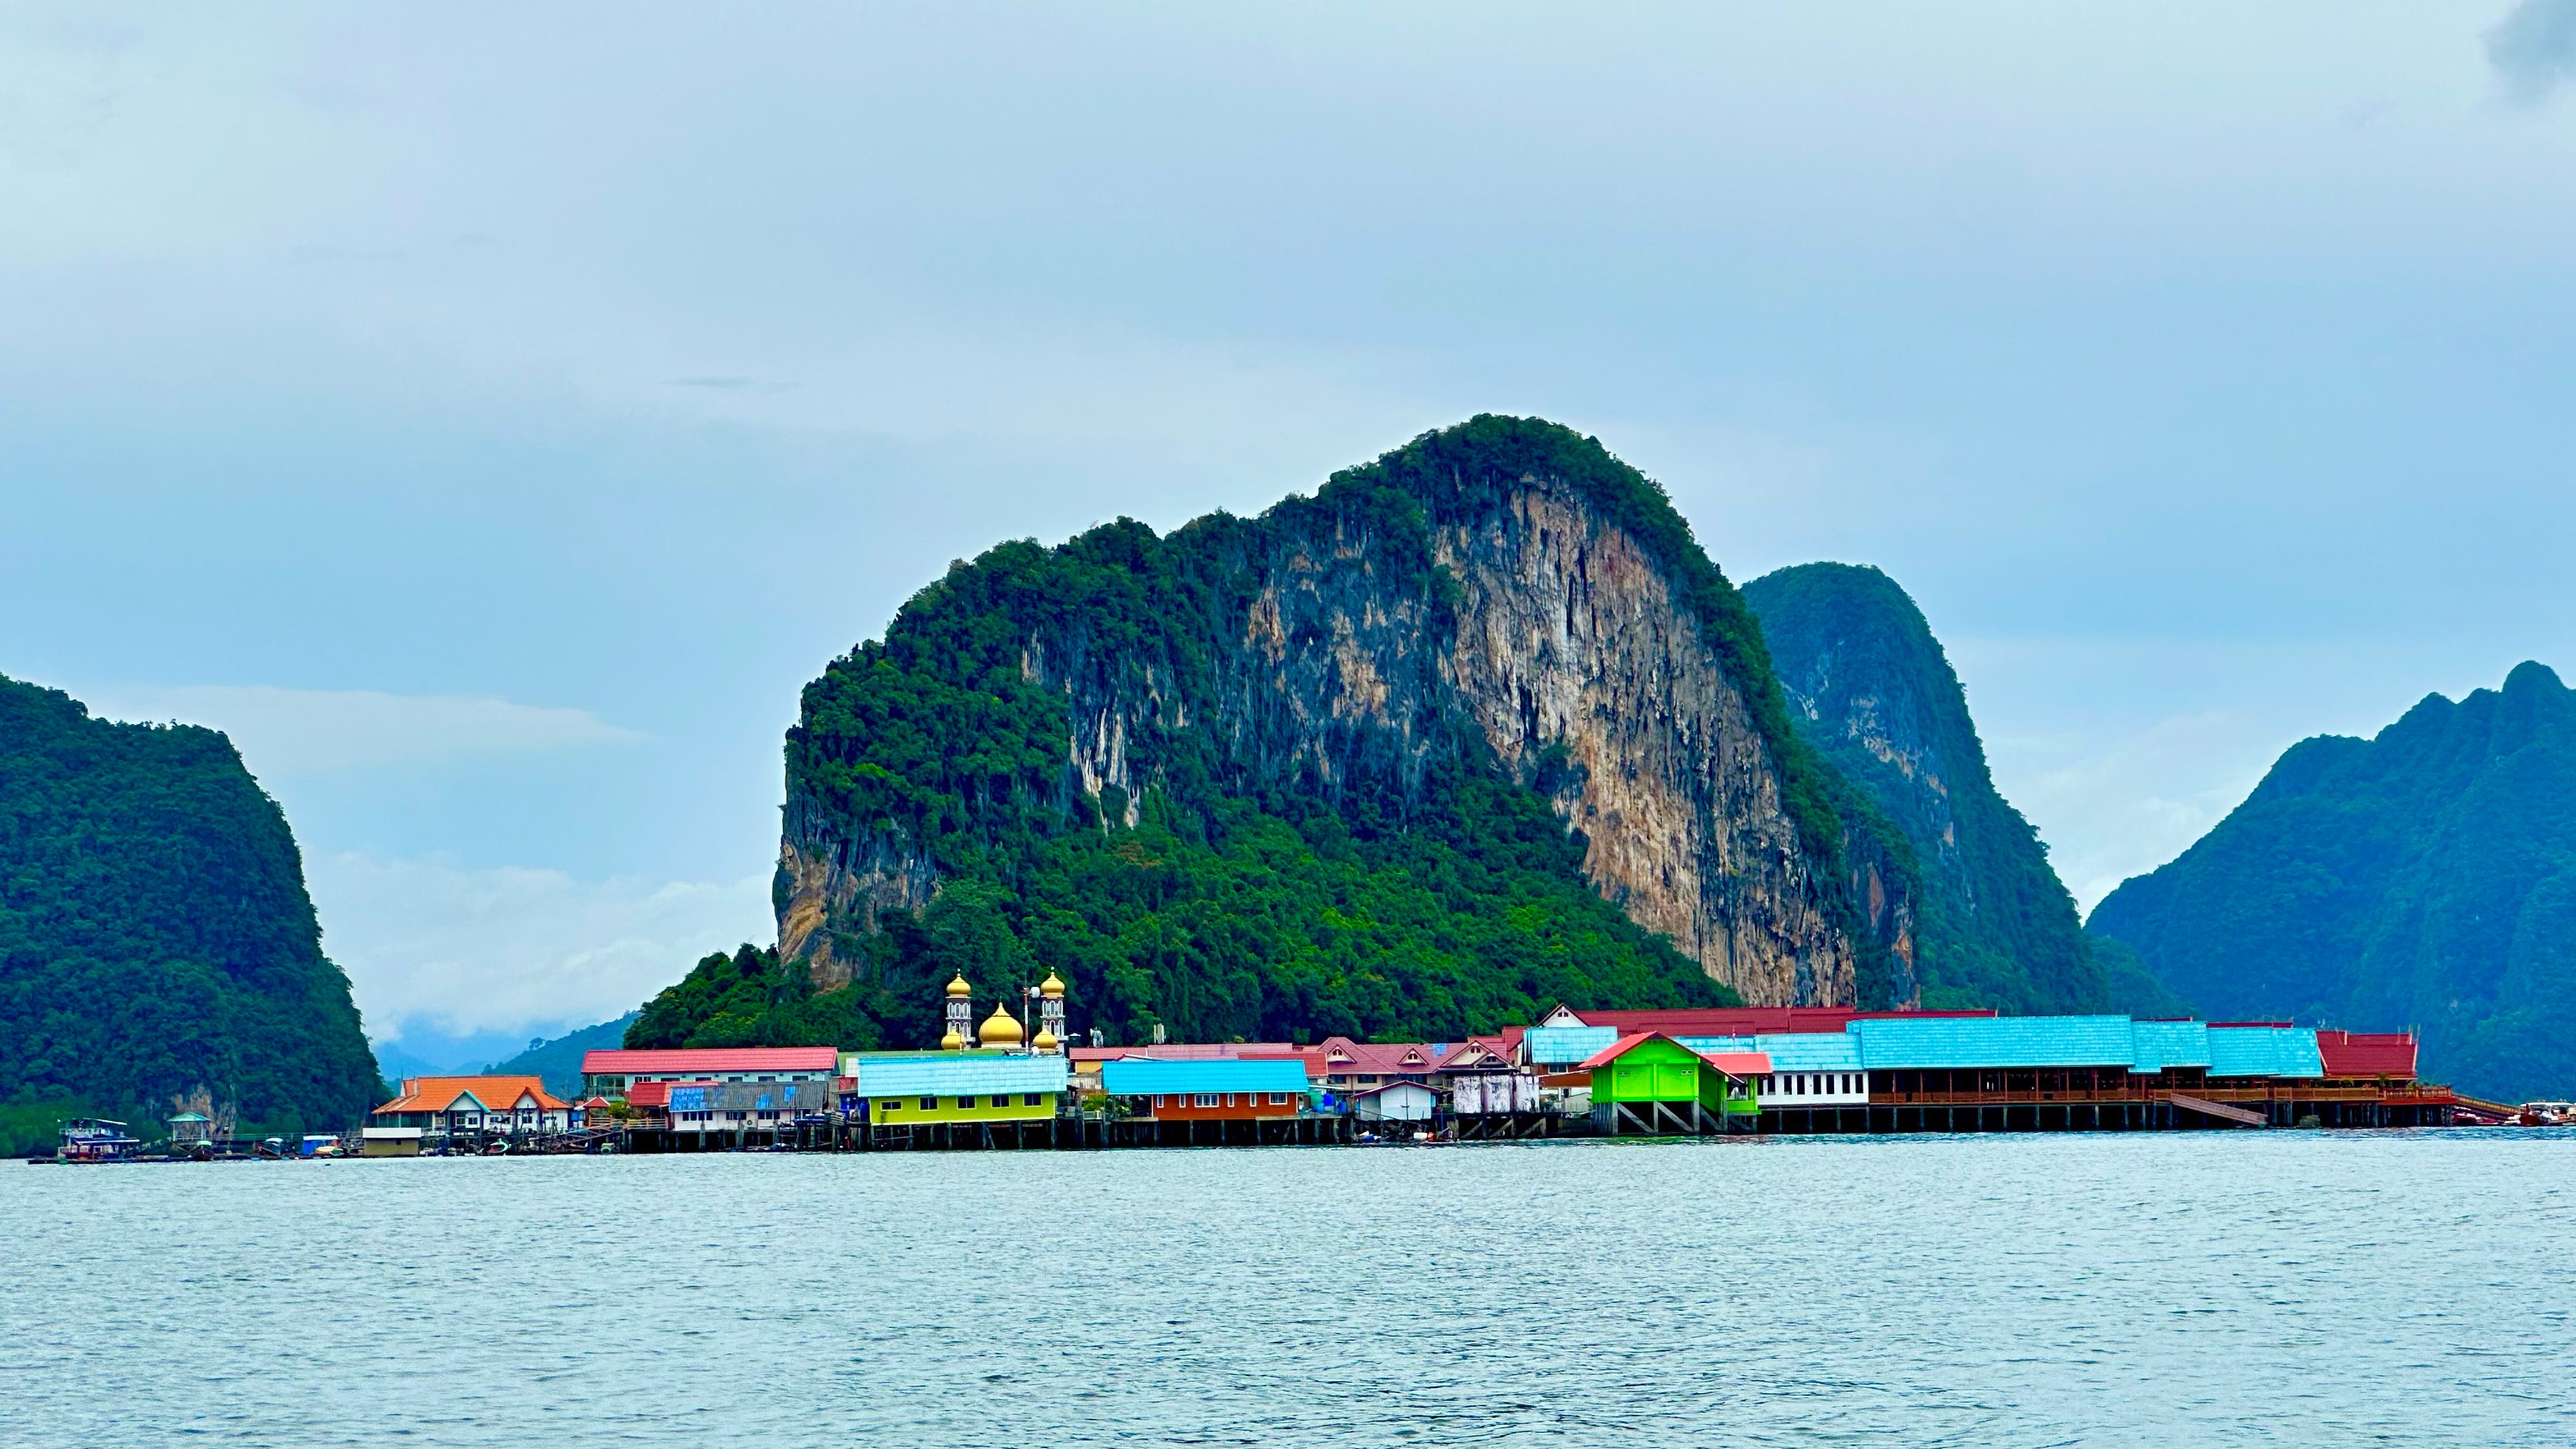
(476, 1104)
(2355, 1055)
(612, 1071)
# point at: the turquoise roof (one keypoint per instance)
(959, 1074)
(1904, 1043)
(1139, 1077)
(1552, 1045)
(1707, 1044)
(2163, 1044)
(1810, 1051)
(2264, 1051)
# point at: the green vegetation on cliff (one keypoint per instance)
(155, 937)
(1235, 923)
(2426, 877)
(1284, 874)
(1872, 690)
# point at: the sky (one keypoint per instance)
(491, 416)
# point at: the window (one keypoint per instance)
(965, 1101)
(1030, 1100)
(1368, 1079)
(1203, 1099)
(930, 1104)
(889, 1105)
(1279, 1099)
(1229, 1100)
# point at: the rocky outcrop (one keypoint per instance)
(1569, 640)
(1500, 596)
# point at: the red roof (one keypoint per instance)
(614, 1061)
(496, 1094)
(1747, 1020)
(1336, 1055)
(2367, 1054)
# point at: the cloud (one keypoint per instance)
(2534, 48)
(432, 945)
(285, 732)
(2117, 807)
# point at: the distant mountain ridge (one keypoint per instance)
(155, 935)
(2425, 877)
(557, 1060)
(1872, 690)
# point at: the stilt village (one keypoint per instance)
(995, 1084)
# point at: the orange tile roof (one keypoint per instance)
(497, 1094)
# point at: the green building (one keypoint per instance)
(1651, 1085)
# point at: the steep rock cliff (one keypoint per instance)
(1869, 686)
(1499, 601)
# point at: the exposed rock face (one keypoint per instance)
(1568, 637)
(1484, 599)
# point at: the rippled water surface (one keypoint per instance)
(2218, 1288)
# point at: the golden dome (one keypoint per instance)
(1044, 1041)
(958, 987)
(952, 1042)
(1051, 987)
(1001, 1029)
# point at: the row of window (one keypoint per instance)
(1220, 1099)
(931, 1104)
(1813, 1084)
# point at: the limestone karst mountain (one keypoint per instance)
(1475, 727)
(2425, 877)
(155, 936)
(1870, 688)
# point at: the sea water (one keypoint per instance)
(2275, 1287)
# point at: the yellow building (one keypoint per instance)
(900, 1089)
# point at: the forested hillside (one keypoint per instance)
(1474, 729)
(2425, 877)
(1870, 687)
(155, 937)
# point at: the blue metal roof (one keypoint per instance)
(1555, 1045)
(1903, 1043)
(2163, 1044)
(964, 1074)
(2264, 1051)
(1706, 1044)
(1810, 1051)
(1137, 1077)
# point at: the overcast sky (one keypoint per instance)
(492, 416)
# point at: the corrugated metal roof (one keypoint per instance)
(2264, 1051)
(1808, 1051)
(964, 1074)
(1705, 1045)
(1994, 1041)
(2162, 1044)
(2361, 1054)
(1136, 1077)
(1549, 1045)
